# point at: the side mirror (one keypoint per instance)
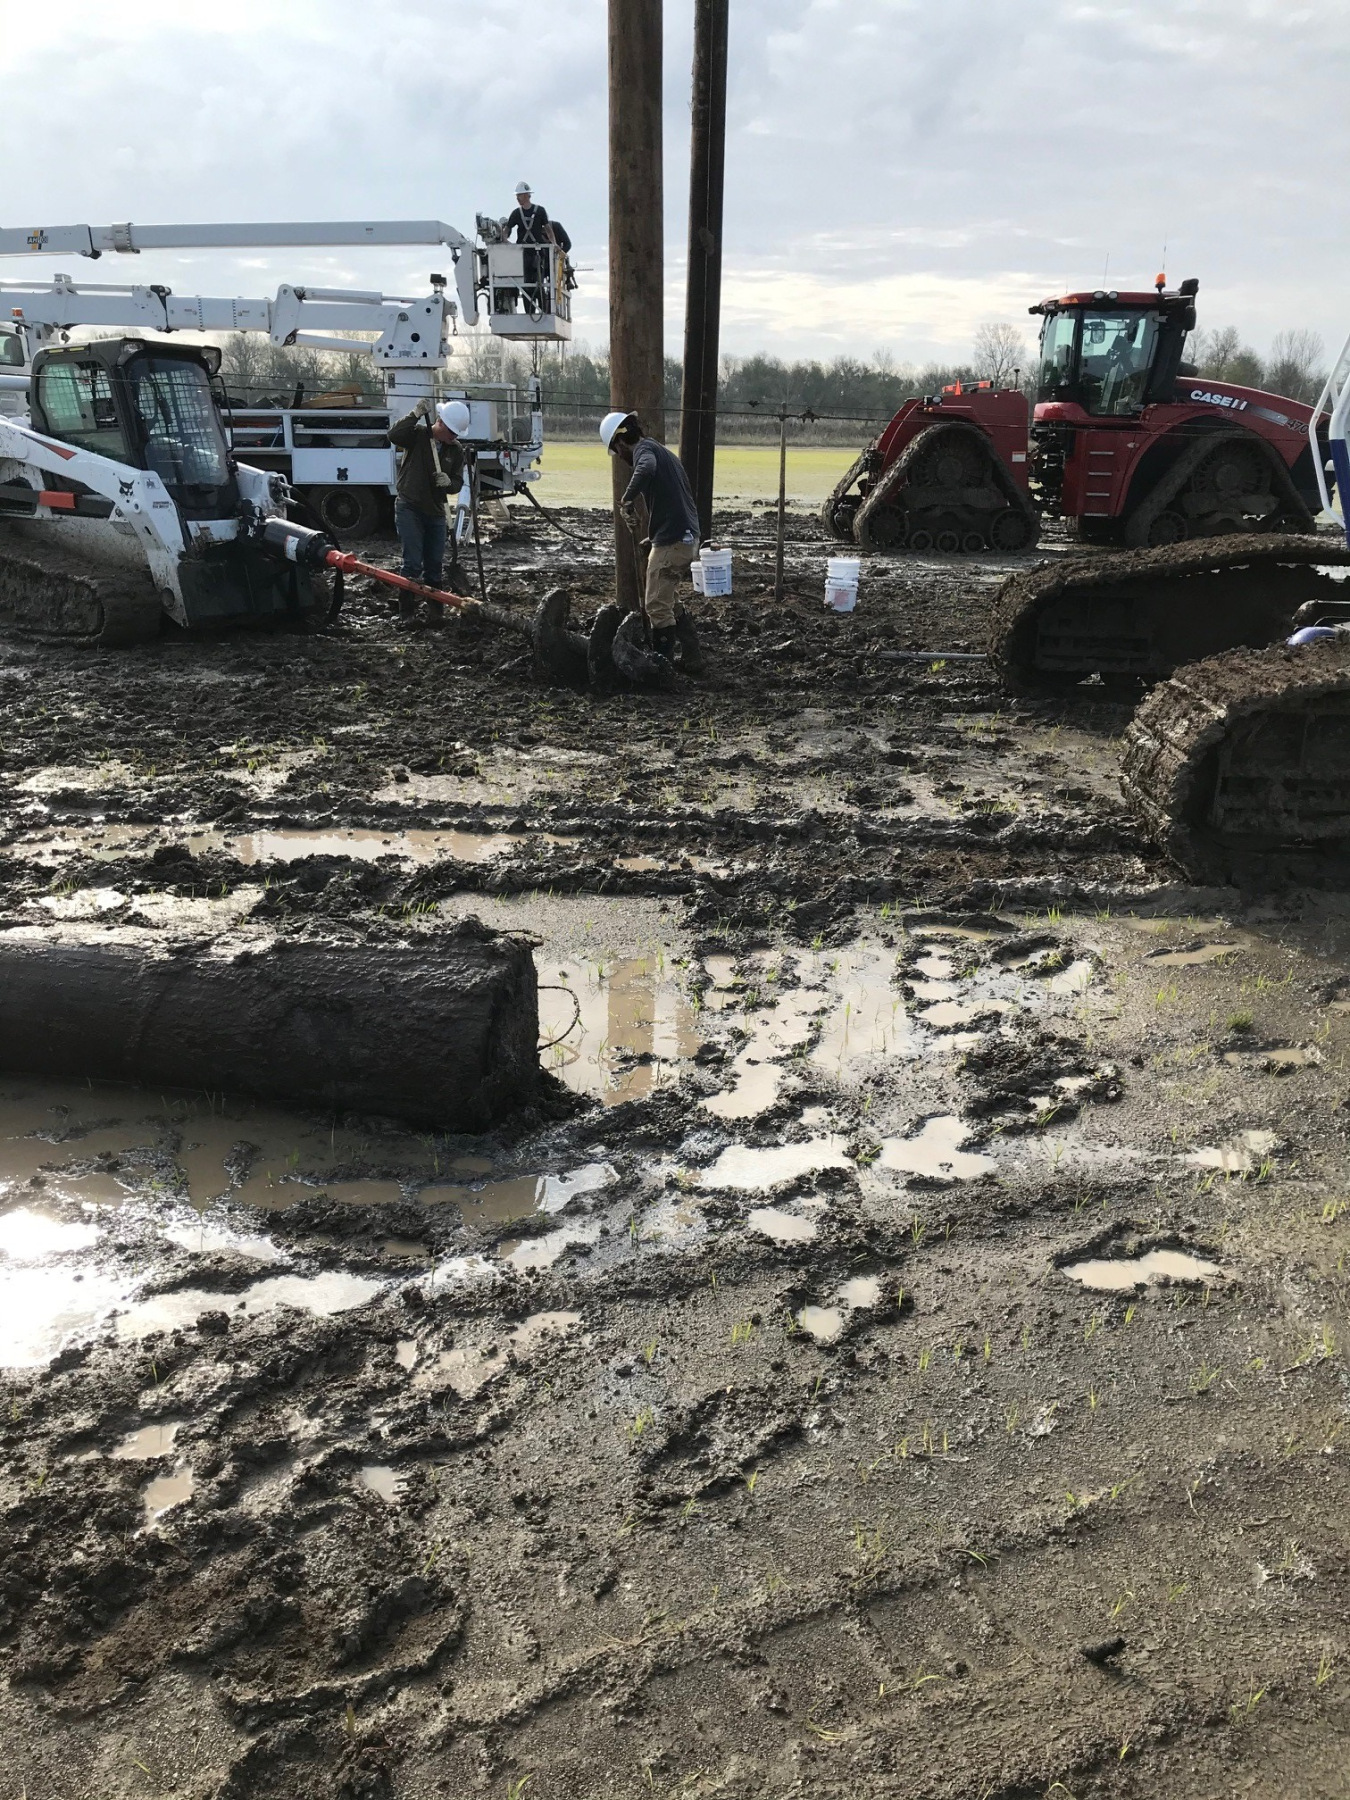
(211, 356)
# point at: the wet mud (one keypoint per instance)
(896, 1345)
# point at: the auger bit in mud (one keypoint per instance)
(616, 653)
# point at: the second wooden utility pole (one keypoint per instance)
(703, 294)
(636, 260)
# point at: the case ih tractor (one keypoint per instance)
(1127, 441)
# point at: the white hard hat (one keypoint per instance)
(523, 187)
(454, 415)
(609, 425)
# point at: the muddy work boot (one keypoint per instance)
(663, 643)
(635, 662)
(686, 636)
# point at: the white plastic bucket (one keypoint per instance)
(841, 582)
(716, 571)
(696, 570)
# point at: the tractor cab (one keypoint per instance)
(1110, 354)
(150, 406)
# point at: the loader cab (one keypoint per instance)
(1109, 354)
(148, 405)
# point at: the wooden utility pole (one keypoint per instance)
(779, 588)
(703, 294)
(636, 261)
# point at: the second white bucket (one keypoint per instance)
(841, 582)
(716, 571)
(696, 571)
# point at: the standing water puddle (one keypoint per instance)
(782, 1227)
(379, 1478)
(521, 1195)
(166, 1491)
(1117, 1275)
(935, 1151)
(146, 1444)
(321, 1295)
(1238, 1156)
(826, 1323)
(287, 845)
(1191, 957)
(621, 1027)
(745, 1167)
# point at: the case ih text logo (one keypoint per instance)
(1228, 400)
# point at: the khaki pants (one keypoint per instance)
(668, 581)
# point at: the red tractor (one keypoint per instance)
(1127, 441)
(948, 473)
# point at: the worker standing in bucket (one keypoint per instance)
(431, 472)
(671, 540)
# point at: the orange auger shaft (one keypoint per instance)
(347, 564)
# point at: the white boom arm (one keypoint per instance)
(130, 240)
(411, 336)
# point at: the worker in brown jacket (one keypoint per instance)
(431, 472)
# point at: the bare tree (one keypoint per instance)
(1215, 350)
(1295, 366)
(1221, 355)
(998, 351)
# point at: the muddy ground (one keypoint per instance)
(900, 1349)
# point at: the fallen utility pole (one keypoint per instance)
(636, 261)
(703, 292)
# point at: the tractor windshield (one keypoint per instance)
(1059, 374)
(184, 443)
(1116, 358)
(1099, 359)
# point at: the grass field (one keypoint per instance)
(577, 474)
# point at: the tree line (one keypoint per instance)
(844, 399)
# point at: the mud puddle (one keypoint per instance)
(469, 1368)
(935, 1152)
(102, 843)
(863, 1293)
(520, 1195)
(1121, 1274)
(166, 1491)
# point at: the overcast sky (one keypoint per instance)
(897, 172)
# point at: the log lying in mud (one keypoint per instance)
(442, 1033)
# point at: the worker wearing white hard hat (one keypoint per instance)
(531, 226)
(672, 535)
(431, 472)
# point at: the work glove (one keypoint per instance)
(629, 516)
(424, 408)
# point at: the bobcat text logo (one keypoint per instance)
(1229, 400)
(126, 488)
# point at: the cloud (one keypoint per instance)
(895, 170)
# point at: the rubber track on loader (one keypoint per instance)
(1143, 613)
(1239, 766)
(55, 598)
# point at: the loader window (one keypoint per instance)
(184, 443)
(76, 399)
(11, 350)
(1117, 355)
